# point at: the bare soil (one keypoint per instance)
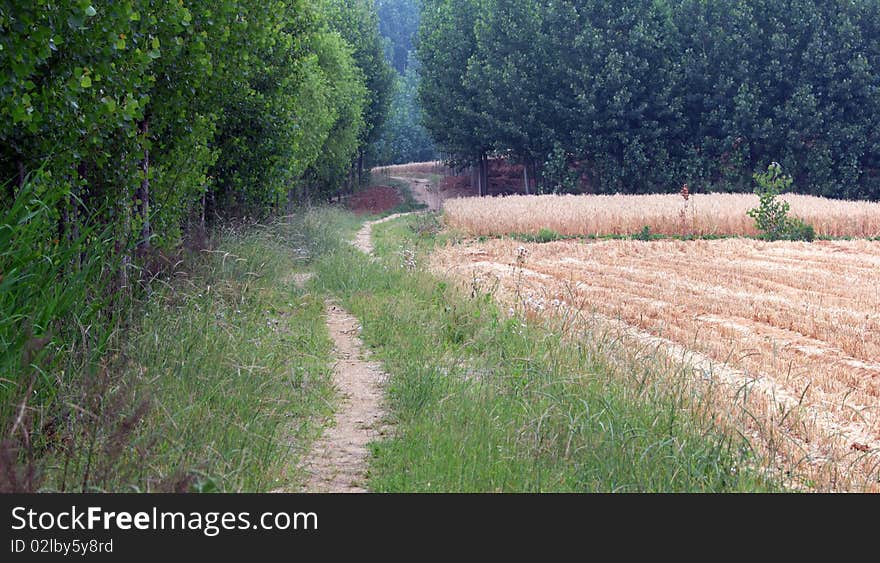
(339, 460)
(374, 200)
(786, 332)
(423, 191)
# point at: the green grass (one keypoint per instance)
(221, 380)
(483, 401)
(237, 365)
(233, 361)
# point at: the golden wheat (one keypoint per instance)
(788, 333)
(701, 214)
(419, 169)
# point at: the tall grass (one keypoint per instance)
(234, 356)
(55, 323)
(211, 380)
(485, 402)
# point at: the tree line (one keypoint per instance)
(128, 124)
(646, 95)
(155, 113)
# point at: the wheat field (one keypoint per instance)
(413, 169)
(786, 335)
(700, 214)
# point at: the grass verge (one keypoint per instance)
(221, 380)
(484, 401)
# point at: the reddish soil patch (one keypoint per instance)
(375, 200)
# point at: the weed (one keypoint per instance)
(644, 234)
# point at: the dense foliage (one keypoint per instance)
(159, 110)
(646, 95)
(126, 124)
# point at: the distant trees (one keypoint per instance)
(358, 23)
(399, 23)
(645, 95)
(403, 137)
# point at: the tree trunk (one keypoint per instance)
(142, 194)
(484, 174)
(536, 174)
(79, 209)
(526, 176)
(22, 174)
(360, 174)
(204, 209)
(475, 182)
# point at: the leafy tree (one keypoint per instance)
(644, 95)
(358, 23)
(399, 23)
(348, 96)
(452, 105)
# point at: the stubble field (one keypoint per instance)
(783, 338)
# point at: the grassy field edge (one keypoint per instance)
(485, 401)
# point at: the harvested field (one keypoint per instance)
(785, 337)
(701, 214)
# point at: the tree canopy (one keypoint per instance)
(157, 112)
(646, 95)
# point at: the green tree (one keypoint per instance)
(358, 23)
(404, 138)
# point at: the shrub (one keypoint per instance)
(644, 234)
(771, 215)
(547, 235)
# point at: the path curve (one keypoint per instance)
(423, 191)
(363, 240)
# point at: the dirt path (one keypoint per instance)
(338, 462)
(423, 191)
(363, 240)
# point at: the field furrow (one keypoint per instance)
(803, 319)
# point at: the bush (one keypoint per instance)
(771, 215)
(797, 229)
(547, 235)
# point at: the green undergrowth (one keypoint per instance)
(235, 359)
(547, 235)
(218, 381)
(485, 401)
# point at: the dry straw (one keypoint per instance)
(787, 333)
(705, 214)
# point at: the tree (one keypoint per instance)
(404, 138)
(399, 23)
(453, 111)
(357, 22)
